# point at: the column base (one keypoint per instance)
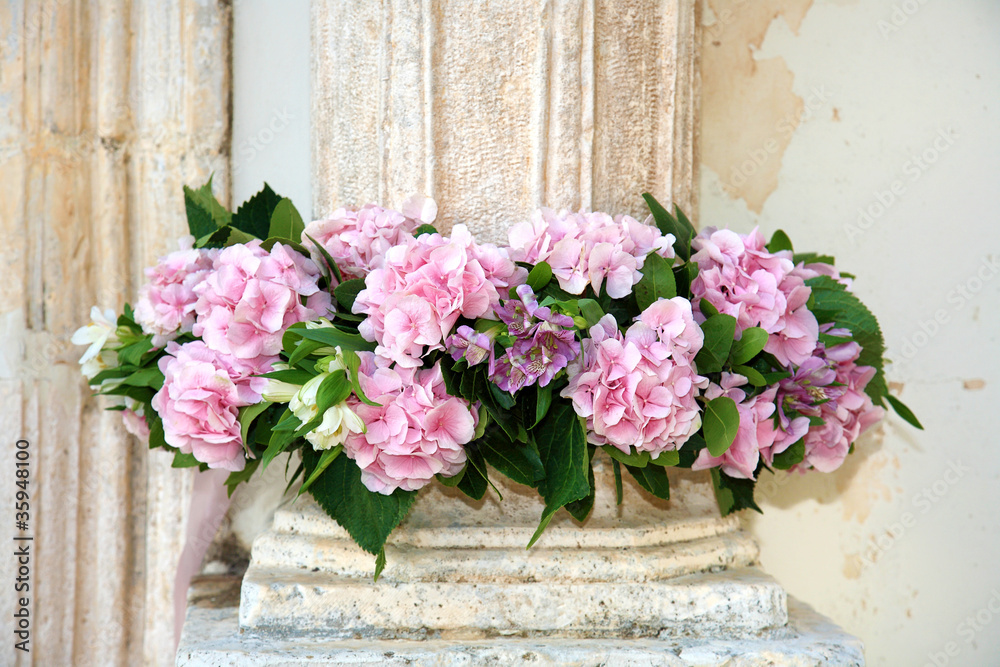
(212, 637)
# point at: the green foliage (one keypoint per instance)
(633, 458)
(368, 517)
(425, 229)
(474, 480)
(539, 276)
(254, 215)
(591, 311)
(657, 281)
(750, 344)
(517, 460)
(904, 411)
(721, 422)
(325, 459)
(347, 292)
(676, 224)
(795, 454)
(653, 479)
(286, 223)
(831, 302)
(562, 447)
(733, 494)
(580, 509)
(779, 242)
(719, 331)
(204, 212)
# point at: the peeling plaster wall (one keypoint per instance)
(872, 130)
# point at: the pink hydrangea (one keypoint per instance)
(589, 248)
(166, 305)
(134, 420)
(639, 389)
(755, 433)
(417, 432)
(424, 285)
(252, 296)
(739, 277)
(200, 400)
(831, 386)
(357, 239)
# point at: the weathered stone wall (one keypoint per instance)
(106, 108)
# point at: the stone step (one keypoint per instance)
(213, 638)
(306, 603)
(338, 556)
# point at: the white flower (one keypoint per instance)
(96, 334)
(102, 362)
(338, 422)
(303, 403)
(277, 391)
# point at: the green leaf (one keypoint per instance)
(779, 242)
(543, 400)
(333, 390)
(539, 276)
(667, 459)
(619, 491)
(752, 375)
(634, 458)
(254, 215)
(678, 225)
(579, 509)
(904, 411)
(379, 564)
(474, 481)
(184, 460)
(368, 517)
(719, 331)
(518, 461)
(833, 303)
(204, 212)
(347, 291)
(290, 375)
(324, 462)
(145, 377)
(791, 456)
(286, 223)
(333, 337)
(425, 229)
(733, 494)
(653, 479)
(591, 311)
(657, 281)
(813, 258)
(562, 447)
(302, 350)
(749, 345)
(132, 354)
(247, 415)
(707, 309)
(721, 422)
(330, 263)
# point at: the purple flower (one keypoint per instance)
(469, 344)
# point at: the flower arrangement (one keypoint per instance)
(390, 355)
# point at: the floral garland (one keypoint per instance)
(390, 355)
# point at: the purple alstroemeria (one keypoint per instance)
(471, 345)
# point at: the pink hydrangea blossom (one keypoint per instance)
(200, 400)
(739, 277)
(358, 238)
(424, 285)
(589, 248)
(639, 389)
(166, 305)
(417, 432)
(754, 434)
(134, 420)
(252, 296)
(831, 386)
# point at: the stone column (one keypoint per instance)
(495, 108)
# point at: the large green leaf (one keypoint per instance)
(719, 331)
(204, 212)
(791, 456)
(678, 225)
(347, 291)
(539, 276)
(749, 345)
(721, 422)
(562, 447)
(286, 223)
(653, 479)
(657, 281)
(733, 494)
(368, 517)
(579, 509)
(518, 461)
(831, 302)
(254, 215)
(779, 242)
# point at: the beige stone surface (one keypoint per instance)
(496, 108)
(106, 108)
(212, 638)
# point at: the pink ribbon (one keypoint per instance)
(209, 503)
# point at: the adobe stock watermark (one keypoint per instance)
(900, 15)
(911, 171)
(923, 502)
(784, 128)
(957, 297)
(252, 146)
(966, 630)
